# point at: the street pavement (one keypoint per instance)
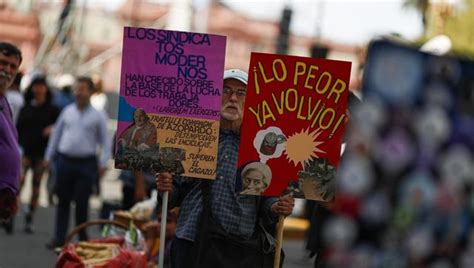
(22, 250)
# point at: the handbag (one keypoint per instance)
(217, 248)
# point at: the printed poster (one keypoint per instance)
(170, 98)
(294, 118)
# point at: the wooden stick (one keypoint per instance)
(279, 241)
(164, 214)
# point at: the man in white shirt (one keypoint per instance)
(78, 133)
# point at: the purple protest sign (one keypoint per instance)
(170, 98)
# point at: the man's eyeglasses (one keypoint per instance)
(240, 93)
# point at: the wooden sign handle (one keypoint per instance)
(279, 241)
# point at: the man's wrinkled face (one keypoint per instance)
(233, 99)
(9, 66)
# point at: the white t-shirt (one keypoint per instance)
(16, 101)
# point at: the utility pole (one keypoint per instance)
(319, 50)
(284, 33)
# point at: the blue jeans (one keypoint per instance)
(75, 177)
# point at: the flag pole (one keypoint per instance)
(164, 214)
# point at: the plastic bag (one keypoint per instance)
(134, 239)
(143, 210)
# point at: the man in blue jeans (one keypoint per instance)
(78, 133)
(236, 214)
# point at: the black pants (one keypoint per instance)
(75, 178)
(181, 253)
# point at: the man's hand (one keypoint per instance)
(164, 182)
(284, 206)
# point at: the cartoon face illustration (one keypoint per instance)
(256, 178)
(254, 181)
(140, 117)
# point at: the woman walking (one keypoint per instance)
(34, 125)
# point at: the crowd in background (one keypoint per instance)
(58, 125)
(404, 198)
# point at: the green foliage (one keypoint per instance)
(460, 28)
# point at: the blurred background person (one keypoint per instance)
(10, 60)
(62, 97)
(16, 101)
(35, 123)
(78, 134)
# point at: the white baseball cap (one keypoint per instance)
(236, 74)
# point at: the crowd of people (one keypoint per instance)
(396, 205)
(36, 119)
(68, 137)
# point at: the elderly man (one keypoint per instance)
(235, 214)
(10, 60)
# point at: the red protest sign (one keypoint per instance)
(294, 118)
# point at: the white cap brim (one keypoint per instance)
(236, 74)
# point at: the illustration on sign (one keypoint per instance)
(295, 113)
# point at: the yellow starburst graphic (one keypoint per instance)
(302, 146)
